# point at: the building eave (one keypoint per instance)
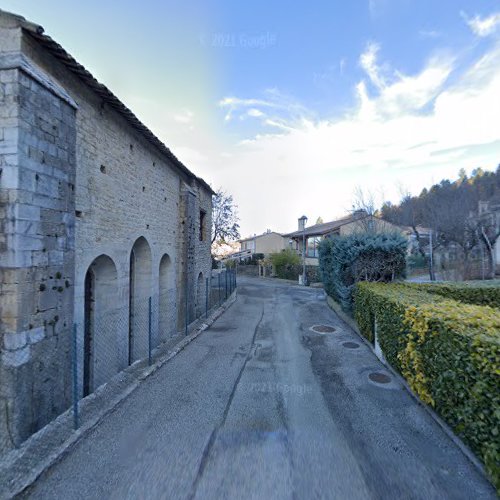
(36, 32)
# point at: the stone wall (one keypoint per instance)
(194, 250)
(37, 252)
(87, 203)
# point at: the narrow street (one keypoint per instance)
(260, 406)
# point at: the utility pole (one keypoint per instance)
(431, 258)
(302, 225)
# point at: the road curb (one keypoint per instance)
(21, 467)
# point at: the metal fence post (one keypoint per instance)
(149, 331)
(225, 278)
(206, 297)
(220, 301)
(74, 350)
(187, 311)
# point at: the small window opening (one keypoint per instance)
(202, 225)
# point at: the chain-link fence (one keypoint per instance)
(108, 339)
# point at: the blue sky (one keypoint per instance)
(290, 106)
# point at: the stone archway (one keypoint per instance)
(166, 299)
(100, 349)
(200, 296)
(139, 294)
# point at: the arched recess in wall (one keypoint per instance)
(166, 301)
(139, 293)
(100, 349)
(200, 296)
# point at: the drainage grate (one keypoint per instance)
(322, 329)
(379, 378)
(350, 345)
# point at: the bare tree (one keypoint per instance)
(364, 208)
(489, 232)
(225, 219)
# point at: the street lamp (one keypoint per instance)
(302, 227)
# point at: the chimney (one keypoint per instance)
(302, 223)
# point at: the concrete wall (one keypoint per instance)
(81, 187)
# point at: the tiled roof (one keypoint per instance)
(259, 236)
(327, 227)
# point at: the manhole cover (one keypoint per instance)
(350, 345)
(322, 329)
(380, 378)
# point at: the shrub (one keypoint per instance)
(230, 263)
(416, 261)
(284, 263)
(253, 260)
(312, 274)
(346, 260)
(480, 293)
(449, 352)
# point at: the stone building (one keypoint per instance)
(97, 215)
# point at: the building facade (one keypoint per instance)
(267, 243)
(98, 216)
(359, 221)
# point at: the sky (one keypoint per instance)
(292, 106)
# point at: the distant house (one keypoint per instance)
(484, 258)
(488, 216)
(357, 221)
(267, 243)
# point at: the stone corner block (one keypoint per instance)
(36, 335)
(14, 341)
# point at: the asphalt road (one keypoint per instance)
(259, 406)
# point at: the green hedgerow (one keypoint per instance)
(448, 351)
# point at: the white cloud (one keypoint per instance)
(275, 103)
(377, 7)
(368, 61)
(398, 92)
(185, 116)
(430, 33)
(415, 129)
(233, 104)
(255, 113)
(483, 26)
(342, 65)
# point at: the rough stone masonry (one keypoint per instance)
(97, 215)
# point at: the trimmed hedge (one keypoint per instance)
(293, 273)
(449, 352)
(285, 264)
(481, 294)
